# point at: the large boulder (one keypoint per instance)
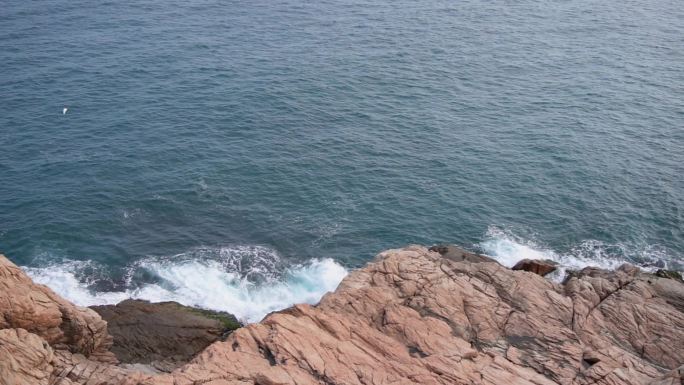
(537, 266)
(164, 335)
(25, 358)
(37, 309)
(45, 339)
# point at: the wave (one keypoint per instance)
(508, 248)
(247, 281)
(252, 281)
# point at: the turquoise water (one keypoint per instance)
(252, 137)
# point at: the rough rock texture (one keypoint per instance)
(42, 335)
(536, 266)
(25, 358)
(457, 254)
(38, 310)
(417, 316)
(164, 334)
(669, 274)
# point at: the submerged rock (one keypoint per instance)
(412, 316)
(537, 266)
(164, 335)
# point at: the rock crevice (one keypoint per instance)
(413, 315)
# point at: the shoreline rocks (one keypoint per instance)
(412, 315)
(669, 274)
(162, 335)
(537, 266)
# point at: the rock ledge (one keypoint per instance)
(411, 316)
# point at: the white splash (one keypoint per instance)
(62, 279)
(64, 110)
(508, 249)
(210, 284)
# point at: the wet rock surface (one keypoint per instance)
(415, 316)
(457, 254)
(164, 335)
(537, 266)
(669, 274)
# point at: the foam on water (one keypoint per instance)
(251, 281)
(62, 279)
(248, 290)
(509, 248)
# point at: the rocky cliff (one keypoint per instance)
(412, 316)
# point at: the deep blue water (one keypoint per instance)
(336, 129)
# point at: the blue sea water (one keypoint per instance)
(243, 155)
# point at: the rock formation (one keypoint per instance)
(536, 266)
(412, 316)
(43, 336)
(163, 335)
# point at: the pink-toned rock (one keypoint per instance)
(37, 309)
(25, 358)
(414, 316)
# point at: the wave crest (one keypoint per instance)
(508, 248)
(248, 281)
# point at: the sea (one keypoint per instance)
(247, 155)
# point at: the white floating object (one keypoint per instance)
(64, 110)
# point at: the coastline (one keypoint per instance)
(412, 315)
(251, 281)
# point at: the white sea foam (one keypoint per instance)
(208, 283)
(508, 249)
(251, 281)
(62, 279)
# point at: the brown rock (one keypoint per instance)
(537, 266)
(25, 358)
(625, 306)
(673, 377)
(415, 316)
(43, 336)
(669, 274)
(458, 254)
(165, 334)
(37, 309)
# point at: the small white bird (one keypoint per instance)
(64, 110)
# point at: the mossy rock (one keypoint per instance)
(165, 334)
(228, 320)
(671, 274)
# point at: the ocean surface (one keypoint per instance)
(245, 155)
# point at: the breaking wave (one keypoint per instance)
(508, 248)
(252, 281)
(248, 281)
